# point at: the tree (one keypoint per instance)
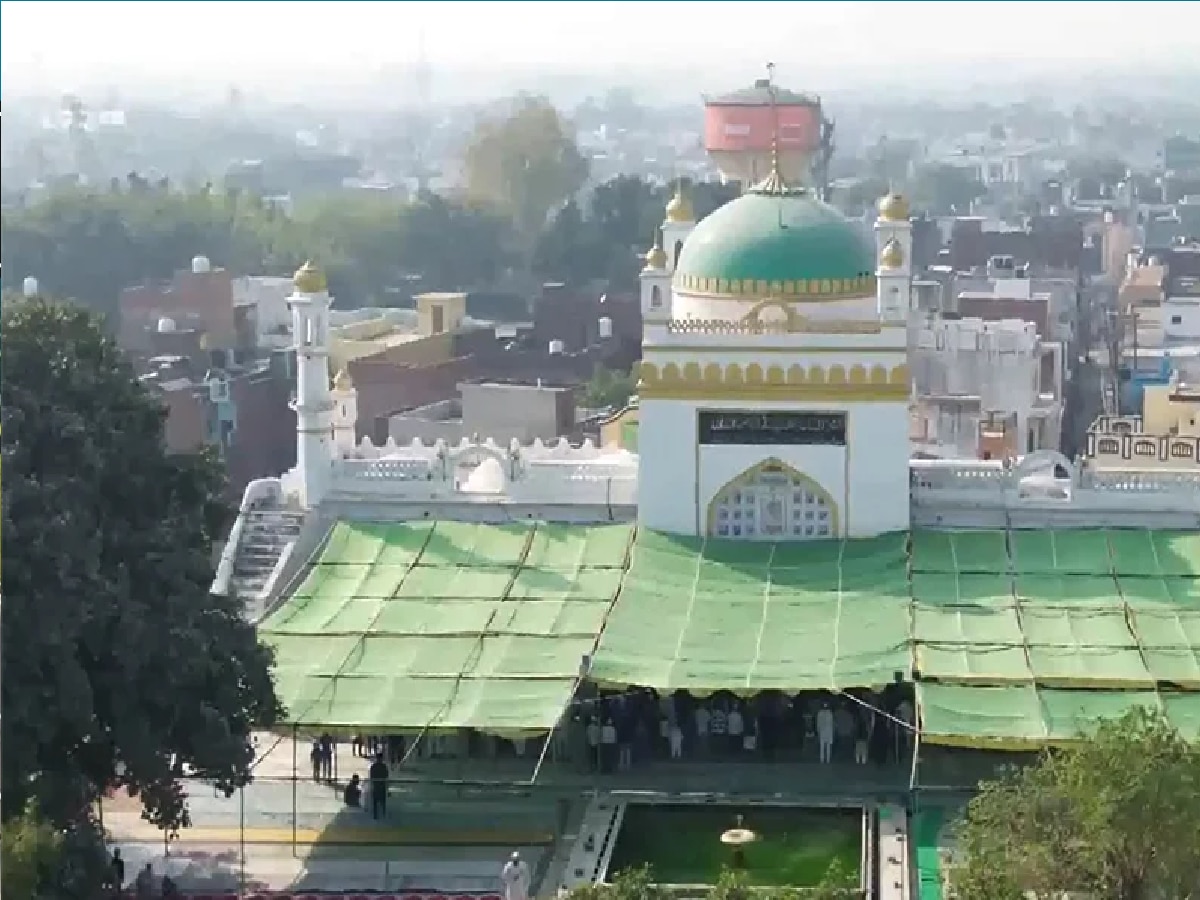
(608, 388)
(29, 849)
(1115, 816)
(524, 165)
(119, 667)
(943, 188)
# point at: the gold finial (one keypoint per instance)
(679, 210)
(894, 208)
(773, 183)
(309, 279)
(342, 381)
(656, 256)
(892, 255)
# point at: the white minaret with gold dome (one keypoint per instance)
(893, 242)
(344, 397)
(309, 303)
(678, 225)
(656, 286)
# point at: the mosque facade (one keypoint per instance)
(773, 404)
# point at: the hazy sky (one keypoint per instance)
(73, 44)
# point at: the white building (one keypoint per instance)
(774, 404)
(972, 378)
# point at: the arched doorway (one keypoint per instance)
(772, 501)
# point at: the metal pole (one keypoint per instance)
(912, 777)
(295, 776)
(542, 756)
(242, 847)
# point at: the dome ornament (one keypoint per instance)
(309, 279)
(679, 210)
(774, 184)
(892, 255)
(656, 256)
(894, 208)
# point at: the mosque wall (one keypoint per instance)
(686, 481)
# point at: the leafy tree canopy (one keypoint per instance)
(119, 667)
(639, 884)
(524, 164)
(944, 189)
(90, 245)
(609, 388)
(1116, 816)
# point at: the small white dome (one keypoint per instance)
(487, 478)
(29, 287)
(165, 325)
(200, 265)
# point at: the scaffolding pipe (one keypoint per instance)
(295, 779)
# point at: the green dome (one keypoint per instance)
(772, 244)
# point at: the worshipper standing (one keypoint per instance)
(378, 773)
(608, 746)
(358, 745)
(143, 885)
(117, 865)
(736, 726)
(315, 756)
(515, 878)
(675, 739)
(702, 720)
(864, 722)
(825, 732)
(328, 749)
(593, 742)
(718, 727)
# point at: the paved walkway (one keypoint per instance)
(441, 836)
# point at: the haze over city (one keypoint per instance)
(326, 49)
(600, 451)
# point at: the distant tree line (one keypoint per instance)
(524, 212)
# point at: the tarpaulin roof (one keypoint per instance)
(443, 625)
(718, 615)
(1026, 717)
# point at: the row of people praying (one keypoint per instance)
(613, 732)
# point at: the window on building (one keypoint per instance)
(1176, 320)
(656, 297)
(438, 316)
(775, 504)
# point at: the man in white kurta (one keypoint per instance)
(825, 733)
(515, 878)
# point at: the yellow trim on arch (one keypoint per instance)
(773, 464)
(714, 381)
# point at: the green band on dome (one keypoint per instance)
(769, 246)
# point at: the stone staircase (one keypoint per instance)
(589, 850)
(895, 878)
(266, 533)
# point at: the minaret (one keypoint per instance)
(314, 405)
(656, 285)
(893, 273)
(680, 222)
(345, 414)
